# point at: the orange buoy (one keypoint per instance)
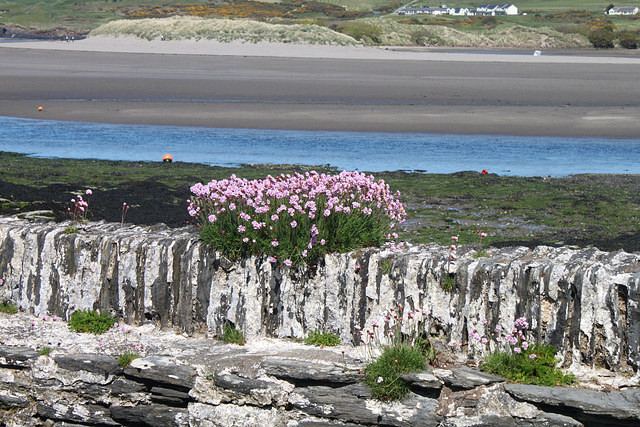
(167, 158)
(484, 171)
(41, 108)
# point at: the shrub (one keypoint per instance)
(90, 321)
(322, 338)
(295, 219)
(628, 39)
(602, 38)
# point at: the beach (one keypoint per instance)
(281, 86)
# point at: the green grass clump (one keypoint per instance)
(383, 375)
(8, 307)
(322, 338)
(127, 357)
(535, 365)
(44, 351)
(231, 335)
(90, 321)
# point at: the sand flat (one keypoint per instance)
(282, 86)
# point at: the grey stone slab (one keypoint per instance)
(591, 405)
(19, 357)
(354, 404)
(162, 370)
(76, 413)
(297, 370)
(423, 380)
(242, 385)
(468, 377)
(96, 363)
(150, 415)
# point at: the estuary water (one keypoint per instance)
(363, 151)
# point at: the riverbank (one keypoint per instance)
(311, 87)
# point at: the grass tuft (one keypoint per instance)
(383, 375)
(231, 335)
(321, 338)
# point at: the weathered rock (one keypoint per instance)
(76, 412)
(353, 403)
(427, 383)
(163, 370)
(465, 377)
(302, 371)
(235, 416)
(150, 415)
(96, 363)
(17, 357)
(616, 407)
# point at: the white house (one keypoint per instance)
(495, 9)
(624, 11)
(458, 11)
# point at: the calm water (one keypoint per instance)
(504, 155)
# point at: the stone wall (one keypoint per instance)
(584, 302)
(294, 390)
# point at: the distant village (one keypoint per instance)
(490, 10)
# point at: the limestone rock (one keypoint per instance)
(163, 370)
(304, 371)
(615, 407)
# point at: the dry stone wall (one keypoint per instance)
(584, 302)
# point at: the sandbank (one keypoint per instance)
(288, 86)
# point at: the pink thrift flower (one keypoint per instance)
(517, 350)
(293, 224)
(532, 356)
(322, 241)
(275, 243)
(380, 379)
(272, 259)
(288, 262)
(245, 240)
(212, 218)
(89, 192)
(454, 238)
(241, 228)
(274, 217)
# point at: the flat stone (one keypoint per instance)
(17, 356)
(423, 380)
(467, 377)
(354, 404)
(616, 407)
(242, 385)
(162, 370)
(87, 414)
(96, 363)
(150, 415)
(296, 370)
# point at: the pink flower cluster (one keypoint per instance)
(346, 192)
(80, 207)
(295, 217)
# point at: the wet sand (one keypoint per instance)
(274, 86)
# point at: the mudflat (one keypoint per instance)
(271, 86)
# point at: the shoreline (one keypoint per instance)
(205, 47)
(320, 88)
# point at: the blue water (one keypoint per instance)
(373, 152)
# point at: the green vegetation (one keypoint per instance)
(231, 335)
(322, 338)
(91, 322)
(8, 307)
(385, 266)
(44, 351)
(547, 23)
(127, 357)
(383, 375)
(535, 365)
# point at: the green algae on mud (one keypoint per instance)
(601, 210)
